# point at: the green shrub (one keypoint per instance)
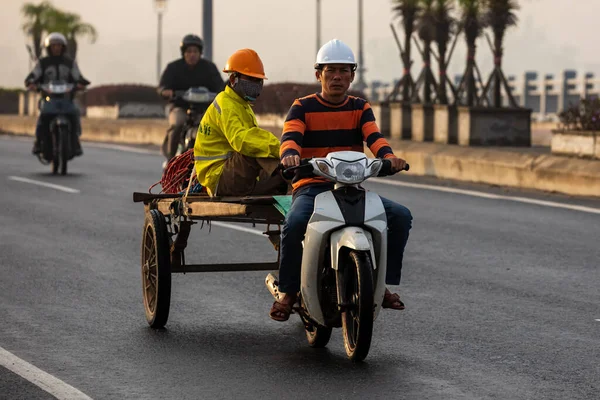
(584, 116)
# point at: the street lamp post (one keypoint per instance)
(360, 82)
(207, 28)
(161, 7)
(318, 25)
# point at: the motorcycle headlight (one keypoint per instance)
(350, 172)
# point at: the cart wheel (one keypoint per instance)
(156, 269)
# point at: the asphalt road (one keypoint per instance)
(502, 299)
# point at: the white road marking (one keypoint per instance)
(43, 380)
(598, 320)
(121, 148)
(45, 184)
(474, 193)
(238, 228)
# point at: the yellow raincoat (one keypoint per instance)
(229, 125)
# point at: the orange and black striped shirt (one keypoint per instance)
(315, 127)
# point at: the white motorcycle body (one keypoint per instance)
(328, 229)
(344, 255)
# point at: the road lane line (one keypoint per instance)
(121, 148)
(45, 184)
(474, 193)
(237, 228)
(43, 380)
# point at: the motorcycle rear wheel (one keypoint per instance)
(317, 335)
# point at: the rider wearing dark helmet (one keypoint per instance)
(189, 71)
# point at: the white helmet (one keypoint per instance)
(55, 38)
(335, 52)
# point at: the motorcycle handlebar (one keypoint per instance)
(386, 168)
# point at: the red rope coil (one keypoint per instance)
(176, 174)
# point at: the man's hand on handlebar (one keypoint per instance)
(32, 86)
(168, 93)
(290, 161)
(398, 164)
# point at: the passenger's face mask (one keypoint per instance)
(248, 90)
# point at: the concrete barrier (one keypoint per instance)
(445, 124)
(131, 131)
(128, 110)
(576, 143)
(422, 122)
(503, 167)
(486, 126)
(526, 168)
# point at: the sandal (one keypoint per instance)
(281, 310)
(392, 300)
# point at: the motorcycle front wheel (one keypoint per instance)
(60, 150)
(317, 335)
(357, 317)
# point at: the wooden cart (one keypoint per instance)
(167, 226)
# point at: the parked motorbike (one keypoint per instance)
(344, 253)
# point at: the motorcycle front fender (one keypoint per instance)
(353, 238)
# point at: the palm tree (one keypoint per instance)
(472, 23)
(499, 16)
(425, 27)
(407, 10)
(36, 20)
(72, 27)
(444, 28)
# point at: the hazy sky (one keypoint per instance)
(552, 35)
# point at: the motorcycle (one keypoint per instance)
(197, 100)
(344, 253)
(56, 104)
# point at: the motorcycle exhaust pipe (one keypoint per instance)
(272, 285)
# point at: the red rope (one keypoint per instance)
(176, 175)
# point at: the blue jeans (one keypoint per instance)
(399, 221)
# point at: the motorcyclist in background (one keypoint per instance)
(56, 66)
(191, 70)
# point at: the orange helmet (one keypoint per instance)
(247, 62)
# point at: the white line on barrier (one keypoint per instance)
(43, 380)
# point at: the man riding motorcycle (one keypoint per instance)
(233, 156)
(315, 126)
(189, 71)
(56, 66)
